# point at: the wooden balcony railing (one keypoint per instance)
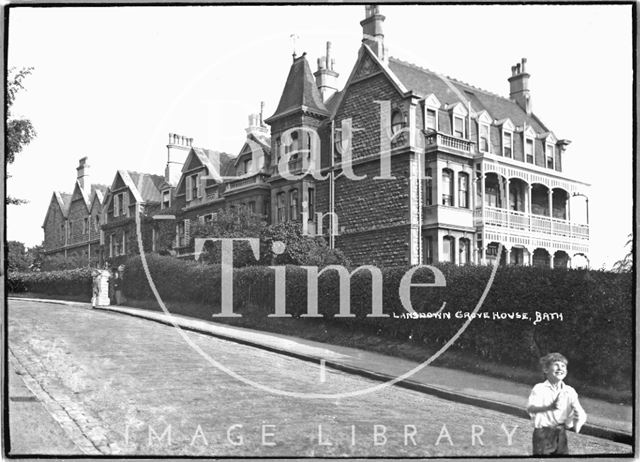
(536, 224)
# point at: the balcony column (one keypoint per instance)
(568, 207)
(483, 198)
(507, 255)
(529, 213)
(550, 194)
(508, 183)
(551, 254)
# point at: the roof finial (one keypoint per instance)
(293, 38)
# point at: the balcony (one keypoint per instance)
(244, 183)
(437, 141)
(531, 230)
(447, 215)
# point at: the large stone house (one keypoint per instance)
(72, 223)
(400, 167)
(441, 170)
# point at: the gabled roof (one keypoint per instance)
(300, 91)
(147, 185)
(143, 186)
(449, 91)
(263, 143)
(99, 190)
(218, 164)
(63, 200)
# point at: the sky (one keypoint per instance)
(110, 83)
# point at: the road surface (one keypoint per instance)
(97, 382)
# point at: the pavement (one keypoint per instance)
(605, 420)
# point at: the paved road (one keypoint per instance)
(121, 385)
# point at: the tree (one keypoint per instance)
(36, 257)
(231, 223)
(626, 264)
(17, 259)
(20, 131)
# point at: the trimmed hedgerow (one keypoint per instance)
(595, 332)
(66, 282)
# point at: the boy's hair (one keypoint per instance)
(547, 360)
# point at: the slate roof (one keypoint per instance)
(148, 185)
(66, 202)
(299, 91)
(449, 90)
(207, 157)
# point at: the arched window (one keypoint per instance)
(280, 208)
(428, 187)
(447, 187)
(448, 249)
(293, 205)
(397, 122)
(464, 251)
(463, 190)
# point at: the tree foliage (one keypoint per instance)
(626, 264)
(17, 260)
(20, 131)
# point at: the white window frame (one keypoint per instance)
(153, 239)
(458, 111)
(533, 150)
(111, 245)
(504, 146)
(431, 103)
(116, 205)
(529, 135)
(168, 193)
(550, 154)
(453, 126)
(507, 128)
(123, 247)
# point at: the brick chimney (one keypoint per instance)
(519, 86)
(83, 173)
(372, 31)
(326, 77)
(256, 127)
(177, 152)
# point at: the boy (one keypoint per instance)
(554, 407)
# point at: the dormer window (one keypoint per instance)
(549, 155)
(528, 150)
(458, 115)
(166, 199)
(483, 138)
(247, 165)
(397, 122)
(507, 144)
(458, 127)
(119, 206)
(194, 187)
(431, 106)
(507, 137)
(484, 121)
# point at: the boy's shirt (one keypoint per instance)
(568, 411)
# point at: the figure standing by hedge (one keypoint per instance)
(554, 407)
(117, 284)
(95, 280)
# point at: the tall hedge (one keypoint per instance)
(66, 282)
(595, 333)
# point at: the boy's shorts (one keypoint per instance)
(550, 440)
